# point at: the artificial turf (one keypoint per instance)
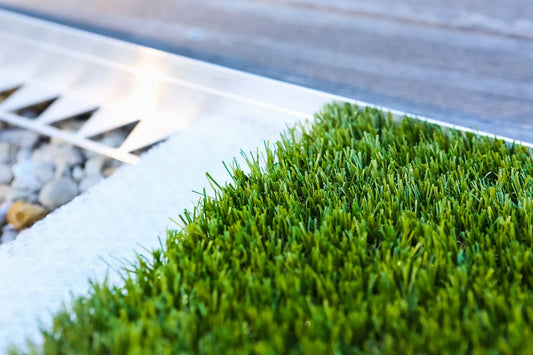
(358, 234)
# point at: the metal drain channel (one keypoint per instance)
(120, 83)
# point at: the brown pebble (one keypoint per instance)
(22, 214)
(109, 171)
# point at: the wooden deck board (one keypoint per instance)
(466, 62)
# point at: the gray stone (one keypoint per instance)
(5, 192)
(58, 155)
(110, 167)
(115, 163)
(71, 125)
(95, 165)
(43, 171)
(43, 154)
(90, 181)
(66, 158)
(5, 153)
(9, 233)
(58, 192)
(58, 141)
(23, 176)
(4, 207)
(113, 139)
(78, 173)
(109, 171)
(33, 198)
(23, 154)
(5, 174)
(63, 171)
(68, 155)
(20, 137)
(63, 157)
(19, 194)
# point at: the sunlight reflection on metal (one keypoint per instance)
(121, 83)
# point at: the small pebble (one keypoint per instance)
(94, 165)
(60, 155)
(43, 171)
(58, 192)
(20, 137)
(5, 192)
(5, 153)
(67, 155)
(71, 125)
(24, 178)
(66, 159)
(9, 233)
(19, 194)
(78, 173)
(90, 181)
(109, 171)
(57, 141)
(114, 139)
(5, 174)
(4, 207)
(43, 154)
(23, 154)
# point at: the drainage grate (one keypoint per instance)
(51, 74)
(43, 83)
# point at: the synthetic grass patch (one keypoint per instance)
(361, 234)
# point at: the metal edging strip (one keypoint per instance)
(310, 100)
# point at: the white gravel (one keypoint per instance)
(104, 228)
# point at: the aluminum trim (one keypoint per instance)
(127, 82)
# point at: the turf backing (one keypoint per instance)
(359, 234)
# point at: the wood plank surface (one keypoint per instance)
(468, 62)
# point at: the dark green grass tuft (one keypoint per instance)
(362, 234)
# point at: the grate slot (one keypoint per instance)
(74, 123)
(34, 110)
(115, 137)
(5, 94)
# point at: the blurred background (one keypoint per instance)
(467, 62)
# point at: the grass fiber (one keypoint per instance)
(358, 233)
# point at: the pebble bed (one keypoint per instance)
(38, 174)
